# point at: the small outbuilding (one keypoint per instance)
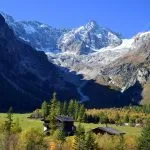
(108, 130)
(67, 123)
(64, 123)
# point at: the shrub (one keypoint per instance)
(32, 139)
(144, 140)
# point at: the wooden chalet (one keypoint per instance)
(67, 123)
(107, 130)
(63, 123)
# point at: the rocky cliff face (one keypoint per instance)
(117, 67)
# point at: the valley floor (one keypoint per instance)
(26, 123)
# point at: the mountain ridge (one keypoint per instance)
(26, 75)
(50, 39)
(102, 71)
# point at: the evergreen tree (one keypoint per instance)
(58, 108)
(61, 137)
(144, 140)
(126, 118)
(90, 143)
(117, 118)
(121, 145)
(16, 128)
(45, 110)
(9, 121)
(76, 109)
(71, 108)
(104, 118)
(132, 120)
(79, 143)
(53, 112)
(81, 114)
(64, 108)
(146, 108)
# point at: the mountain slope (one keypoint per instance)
(38, 35)
(26, 75)
(82, 40)
(119, 68)
(96, 63)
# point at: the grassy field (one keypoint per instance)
(25, 123)
(135, 131)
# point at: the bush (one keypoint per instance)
(32, 139)
(144, 140)
(107, 142)
(37, 114)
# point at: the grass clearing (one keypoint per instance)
(26, 123)
(133, 131)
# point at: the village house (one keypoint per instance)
(107, 130)
(64, 123)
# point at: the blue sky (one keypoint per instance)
(125, 16)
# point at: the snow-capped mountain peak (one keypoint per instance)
(39, 35)
(91, 25)
(88, 38)
(83, 40)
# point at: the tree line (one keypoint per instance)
(54, 107)
(131, 114)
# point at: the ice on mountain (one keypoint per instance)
(143, 34)
(43, 26)
(26, 40)
(29, 29)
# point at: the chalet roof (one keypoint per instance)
(110, 130)
(65, 119)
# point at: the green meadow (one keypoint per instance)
(26, 122)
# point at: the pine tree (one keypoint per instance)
(53, 112)
(76, 109)
(132, 120)
(71, 108)
(121, 144)
(104, 118)
(81, 114)
(79, 143)
(61, 137)
(64, 108)
(117, 118)
(45, 110)
(126, 118)
(58, 108)
(90, 143)
(144, 140)
(9, 121)
(16, 127)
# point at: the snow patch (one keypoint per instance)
(29, 29)
(26, 40)
(143, 34)
(43, 26)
